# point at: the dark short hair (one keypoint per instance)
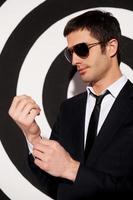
(102, 25)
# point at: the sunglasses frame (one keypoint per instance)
(68, 52)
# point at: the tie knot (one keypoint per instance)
(100, 97)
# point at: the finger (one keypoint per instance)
(45, 141)
(41, 164)
(40, 147)
(41, 141)
(22, 106)
(39, 155)
(30, 108)
(26, 102)
(26, 116)
(34, 112)
(16, 101)
(51, 143)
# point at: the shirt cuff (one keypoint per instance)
(30, 147)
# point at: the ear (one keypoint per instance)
(112, 47)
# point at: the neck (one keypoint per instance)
(101, 85)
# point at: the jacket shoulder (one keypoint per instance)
(77, 98)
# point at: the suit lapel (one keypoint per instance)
(79, 120)
(121, 108)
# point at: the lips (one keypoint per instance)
(82, 70)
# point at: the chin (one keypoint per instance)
(86, 79)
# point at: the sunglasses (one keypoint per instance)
(81, 50)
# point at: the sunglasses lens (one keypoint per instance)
(81, 50)
(68, 54)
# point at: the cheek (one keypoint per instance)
(94, 59)
(102, 68)
(97, 61)
(101, 61)
(99, 65)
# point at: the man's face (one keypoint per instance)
(96, 66)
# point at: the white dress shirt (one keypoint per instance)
(106, 104)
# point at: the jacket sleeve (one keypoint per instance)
(93, 184)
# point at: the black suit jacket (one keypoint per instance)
(108, 171)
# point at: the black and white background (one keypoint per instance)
(32, 63)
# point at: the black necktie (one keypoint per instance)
(92, 128)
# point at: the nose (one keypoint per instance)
(76, 59)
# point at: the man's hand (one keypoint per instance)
(23, 111)
(51, 157)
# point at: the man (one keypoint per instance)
(65, 165)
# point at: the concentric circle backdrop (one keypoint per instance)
(32, 63)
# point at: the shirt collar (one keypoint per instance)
(114, 88)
